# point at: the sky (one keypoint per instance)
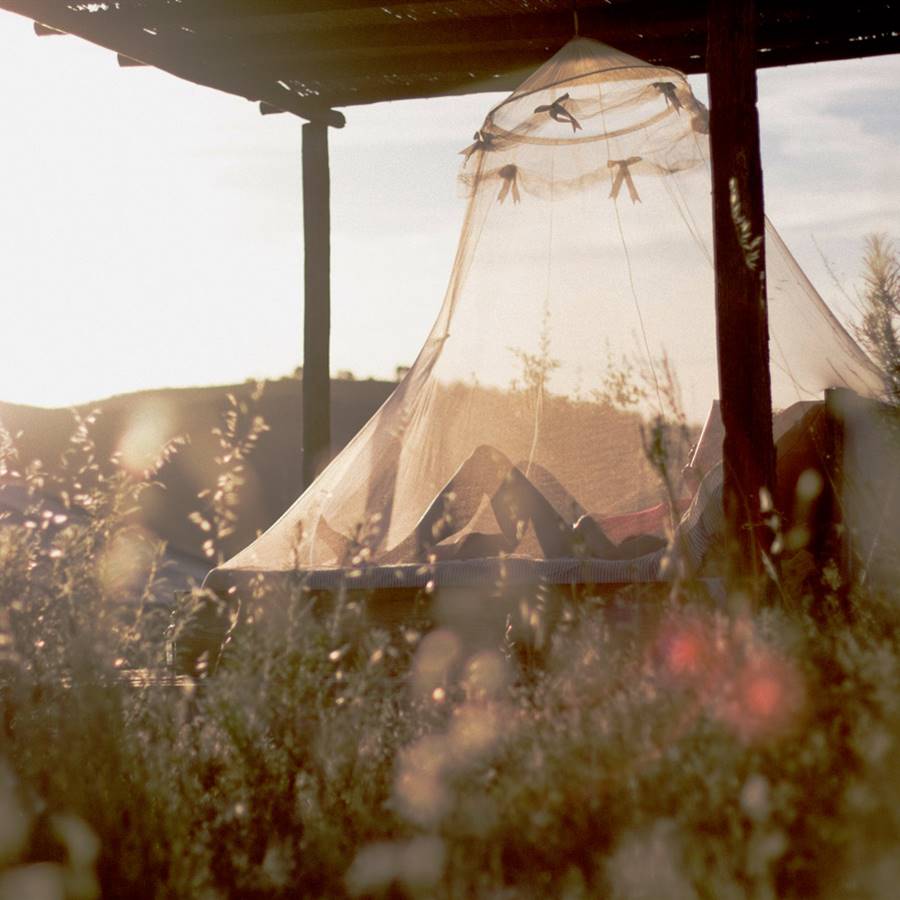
(150, 229)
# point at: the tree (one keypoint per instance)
(879, 327)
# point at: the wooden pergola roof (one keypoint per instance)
(309, 56)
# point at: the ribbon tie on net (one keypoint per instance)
(699, 113)
(559, 113)
(483, 141)
(623, 174)
(510, 175)
(699, 117)
(670, 92)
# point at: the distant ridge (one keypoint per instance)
(139, 424)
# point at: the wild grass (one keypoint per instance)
(633, 746)
(662, 748)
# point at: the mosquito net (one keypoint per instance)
(575, 346)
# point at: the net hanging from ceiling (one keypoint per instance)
(580, 313)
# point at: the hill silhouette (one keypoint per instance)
(138, 426)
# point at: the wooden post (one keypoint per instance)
(742, 325)
(316, 301)
(842, 406)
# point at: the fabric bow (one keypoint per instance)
(483, 141)
(559, 113)
(699, 118)
(699, 113)
(623, 174)
(669, 91)
(510, 176)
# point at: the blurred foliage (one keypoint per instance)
(879, 327)
(645, 744)
(661, 748)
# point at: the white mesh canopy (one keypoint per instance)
(579, 311)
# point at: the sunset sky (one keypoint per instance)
(150, 228)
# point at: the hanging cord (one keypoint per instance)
(634, 297)
(673, 188)
(539, 401)
(575, 17)
(637, 308)
(672, 185)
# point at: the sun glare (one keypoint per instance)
(152, 229)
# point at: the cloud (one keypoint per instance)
(829, 137)
(830, 141)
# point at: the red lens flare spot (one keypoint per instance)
(768, 698)
(686, 651)
(764, 696)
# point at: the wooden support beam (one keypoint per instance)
(316, 301)
(312, 110)
(833, 531)
(742, 324)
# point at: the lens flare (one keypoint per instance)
(126, 562)
(767, 697)
(144, 438)
(687, 650)
(435, 657)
